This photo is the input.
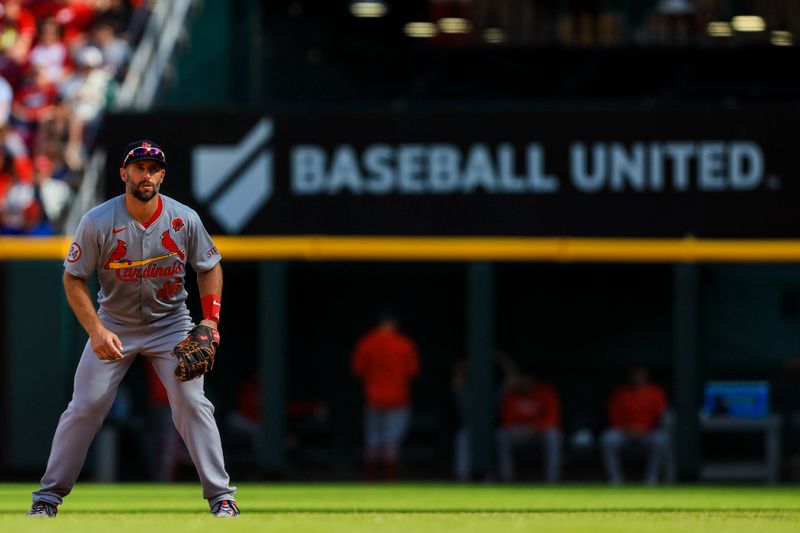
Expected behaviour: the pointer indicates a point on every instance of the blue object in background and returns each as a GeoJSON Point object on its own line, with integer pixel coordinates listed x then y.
{"type": "Point", "coordinates": [741, 399]}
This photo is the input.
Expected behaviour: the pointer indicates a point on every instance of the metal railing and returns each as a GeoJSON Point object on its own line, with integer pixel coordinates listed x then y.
{"type": "Point", "coordinates": [152, 57]}
{"type": "Point", "coordinates": [88, 195]}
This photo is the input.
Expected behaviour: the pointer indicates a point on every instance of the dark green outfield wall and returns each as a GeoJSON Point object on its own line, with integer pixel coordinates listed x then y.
{"type": "Point", "coordinates": [578, 325]}
{"type": "Point", "coordinates": [42, 344]}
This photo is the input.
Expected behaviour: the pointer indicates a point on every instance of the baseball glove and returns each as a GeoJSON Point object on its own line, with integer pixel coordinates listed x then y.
{"type": "Point", "coordinates": [195, 354]}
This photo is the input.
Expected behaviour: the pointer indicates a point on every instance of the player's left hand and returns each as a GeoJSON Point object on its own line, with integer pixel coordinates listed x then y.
{"type": "Point", "coordinates": [209, 323]}
{"type": "Point", "coordinates": [195, 354]}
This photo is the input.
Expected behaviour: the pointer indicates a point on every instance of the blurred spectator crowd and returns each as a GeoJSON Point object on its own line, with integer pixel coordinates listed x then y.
{"type": "Point", "coordinates": [60, 63]}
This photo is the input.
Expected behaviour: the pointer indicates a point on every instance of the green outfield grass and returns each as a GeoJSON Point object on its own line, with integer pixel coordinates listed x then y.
{"type": "Point", "coordinates": [407, 508]}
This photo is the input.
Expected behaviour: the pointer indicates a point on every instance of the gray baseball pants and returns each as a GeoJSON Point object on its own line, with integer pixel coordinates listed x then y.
{"type": "Point", "coordinates": [384, 430]}
{"type": "Point", "coordinates": [95, 388]}
{"type": "Point", "coordinates": [655, 442]}
{"type": "Point", "coordinates": [509, 438]}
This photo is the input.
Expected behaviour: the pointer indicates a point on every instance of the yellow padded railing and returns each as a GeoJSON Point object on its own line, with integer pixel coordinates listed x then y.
{"type": "Point", "coordinates": [383, 248]}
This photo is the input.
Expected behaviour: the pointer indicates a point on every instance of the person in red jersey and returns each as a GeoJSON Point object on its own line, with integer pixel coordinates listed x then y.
{"type": "Point", "coordinates": [530, 414]}
{"type": "Point", "coordinates": [17, 30]}
{"type": "Point", "coordinates": [635, 413]}
{"type": "Point", "coordinates": [385, 360]}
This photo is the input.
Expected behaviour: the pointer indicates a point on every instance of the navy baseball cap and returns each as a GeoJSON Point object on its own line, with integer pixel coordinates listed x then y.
{"type": "Point", "coordinates": [144, 150]}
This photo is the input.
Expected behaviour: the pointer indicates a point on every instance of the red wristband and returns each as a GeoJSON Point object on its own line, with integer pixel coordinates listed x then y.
{"type": "Point", "coordinates": [211, 307]}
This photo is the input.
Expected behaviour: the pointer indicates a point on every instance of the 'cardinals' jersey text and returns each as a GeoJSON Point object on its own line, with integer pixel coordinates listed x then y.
{"type": "Point", "coordinates": [141, 268]}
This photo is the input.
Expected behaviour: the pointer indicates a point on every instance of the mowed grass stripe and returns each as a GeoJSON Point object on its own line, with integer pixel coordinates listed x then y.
{"type": "Point", "coordinates": [407, 508]}
{"type": "Point", "coordinates": [379, 510]}
{"type": "Point", "coordinates": [460, 498]}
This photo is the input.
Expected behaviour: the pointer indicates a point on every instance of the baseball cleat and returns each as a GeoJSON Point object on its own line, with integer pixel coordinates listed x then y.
{"type": "Point", "coordinates": [42, 510]}
{"type": "Point", "coordinates": [225, 509]}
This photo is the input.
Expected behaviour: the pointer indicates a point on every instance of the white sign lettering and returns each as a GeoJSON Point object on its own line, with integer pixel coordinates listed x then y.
{"type": "Point", "coordinates": [441, 168]}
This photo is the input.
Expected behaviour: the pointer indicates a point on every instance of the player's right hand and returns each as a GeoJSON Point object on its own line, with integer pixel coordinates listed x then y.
{"type": "Point", "coordinates": [106, 345]}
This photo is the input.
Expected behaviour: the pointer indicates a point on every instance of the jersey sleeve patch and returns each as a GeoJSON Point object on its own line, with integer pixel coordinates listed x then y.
{"type": "Point", "coordinates": [74, 252]}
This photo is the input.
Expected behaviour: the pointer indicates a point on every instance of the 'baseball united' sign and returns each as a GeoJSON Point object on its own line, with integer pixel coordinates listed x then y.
{"type": "Point", "coordinates": [589, 173]}
{"type": "Point", "coordinates": [410, 169]}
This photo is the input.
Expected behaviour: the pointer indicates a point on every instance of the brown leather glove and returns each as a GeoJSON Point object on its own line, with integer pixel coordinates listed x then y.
{"type": "Point", "coordinates": [195, 354]}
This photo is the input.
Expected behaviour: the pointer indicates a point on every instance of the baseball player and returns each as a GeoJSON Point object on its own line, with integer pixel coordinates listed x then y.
{"type": "Point", "coordinates": [386, 361]}
{"type": "Point", "coordinates": [139, 244]}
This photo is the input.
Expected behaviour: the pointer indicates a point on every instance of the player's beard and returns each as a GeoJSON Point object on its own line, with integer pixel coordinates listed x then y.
{"type": "Point", "coordinates": [140, 194]}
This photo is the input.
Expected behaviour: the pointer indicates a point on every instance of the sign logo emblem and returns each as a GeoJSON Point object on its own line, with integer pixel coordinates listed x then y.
{"type": "Point", "coordinates": [235, 181]}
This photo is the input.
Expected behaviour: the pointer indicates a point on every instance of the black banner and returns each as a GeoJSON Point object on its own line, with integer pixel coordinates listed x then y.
{"type": "Point", "coordinates": [631, 173]}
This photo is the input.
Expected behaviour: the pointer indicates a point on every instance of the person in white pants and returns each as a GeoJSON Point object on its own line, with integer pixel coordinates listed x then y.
{"type": "Point", "coordinates": [530, 415]}
{"type": "Point", "coordinates": [635, 412]}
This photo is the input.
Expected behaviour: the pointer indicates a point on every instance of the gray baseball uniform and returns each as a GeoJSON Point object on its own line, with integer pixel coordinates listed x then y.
{"type": "Point", "coordinates": [141, 270]}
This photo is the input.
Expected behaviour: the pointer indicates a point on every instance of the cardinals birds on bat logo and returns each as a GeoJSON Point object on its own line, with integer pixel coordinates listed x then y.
{"type": "Point", "coordinates": [118, 253]}
{"type": "Point", "coordinates": [170, 245]}
{"type": "Point", "coordinates": [117, 259]}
